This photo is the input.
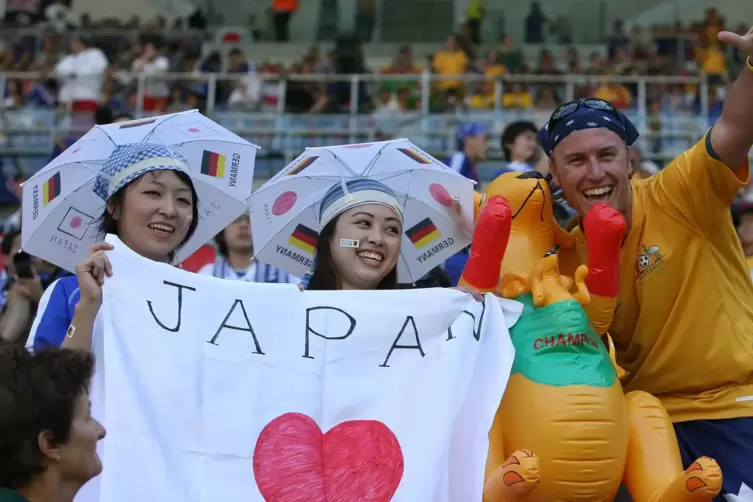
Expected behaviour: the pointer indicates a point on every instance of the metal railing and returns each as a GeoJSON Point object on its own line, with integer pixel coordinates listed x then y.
{"type": "Point", "coordinates": [266, 118]}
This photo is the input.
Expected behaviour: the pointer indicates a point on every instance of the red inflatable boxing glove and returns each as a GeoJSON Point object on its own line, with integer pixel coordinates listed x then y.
{"type": "Point", "coordinates": [488, 246]}
{"type": "Point", "coordinates": [604, 228]}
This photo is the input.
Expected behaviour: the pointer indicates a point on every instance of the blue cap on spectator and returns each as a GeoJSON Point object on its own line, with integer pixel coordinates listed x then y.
{"type": "Point", "coordinates": [469, 130]}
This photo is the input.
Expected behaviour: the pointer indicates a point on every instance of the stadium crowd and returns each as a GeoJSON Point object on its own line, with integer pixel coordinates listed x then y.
{"type": "Point", "coordinates": [100, 57]}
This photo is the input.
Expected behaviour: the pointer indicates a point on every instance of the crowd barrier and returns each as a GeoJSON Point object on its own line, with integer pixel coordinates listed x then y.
{"type": "Point", "coordinates": [28, 133]}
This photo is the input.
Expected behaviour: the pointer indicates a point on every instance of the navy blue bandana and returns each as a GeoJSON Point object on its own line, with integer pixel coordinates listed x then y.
{"type": "Point", "coordinates": [585, 114]}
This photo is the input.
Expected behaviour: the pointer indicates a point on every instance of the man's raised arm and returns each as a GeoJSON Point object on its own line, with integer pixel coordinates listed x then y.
{"type": "Point", "coordinates": [732, 136]}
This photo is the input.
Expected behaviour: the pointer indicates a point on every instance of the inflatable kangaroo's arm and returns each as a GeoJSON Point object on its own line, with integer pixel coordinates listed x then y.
{"type": "Point", "coordinates": [488, 246]}
{"type": "Point", "coordinates": [604, 228]}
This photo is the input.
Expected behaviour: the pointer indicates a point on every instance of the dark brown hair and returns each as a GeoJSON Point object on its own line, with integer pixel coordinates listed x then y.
{"type": "Point", "coordinates": [325, 277]}
{"type": "Point", "coordinates": [38, 393]}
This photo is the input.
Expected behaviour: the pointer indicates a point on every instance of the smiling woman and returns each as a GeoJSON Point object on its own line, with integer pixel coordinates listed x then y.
{"type": "Point", "coordinates": [152, 206]}
{"type": "Point", "coordinates": [360, 242]}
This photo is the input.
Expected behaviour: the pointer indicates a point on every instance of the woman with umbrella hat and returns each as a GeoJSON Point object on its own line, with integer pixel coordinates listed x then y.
{"type": "Point", "coordinates": [359, 245]}
{"type": "Point", "coordinates": [152, 206]}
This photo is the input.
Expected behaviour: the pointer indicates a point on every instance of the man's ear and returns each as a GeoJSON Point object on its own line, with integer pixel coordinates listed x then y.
{"type": "Point", "coordinates": [48, 446]}
{"type": "Point", "coordinates": [553, 171]}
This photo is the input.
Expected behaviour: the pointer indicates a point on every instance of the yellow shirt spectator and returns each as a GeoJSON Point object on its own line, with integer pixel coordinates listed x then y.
{"type": "Point", "coordinates": [685, 290]}
{"type": "Point", "coordinates": [616, 94]}
{"type": "Point", "coordinates": [450, 63]}
{"type": "Point", "coordinates": [481, 102]}
{"type": "Point", "coordinates": [495, 70]}
{"type": "Point", "coordinates": [521, 99]}
{"type": "Point", "coordinates": [713, 61]}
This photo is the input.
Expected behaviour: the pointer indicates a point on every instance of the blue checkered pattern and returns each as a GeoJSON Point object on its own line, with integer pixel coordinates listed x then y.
{"type": "Point", "coordinates": [125, 156]}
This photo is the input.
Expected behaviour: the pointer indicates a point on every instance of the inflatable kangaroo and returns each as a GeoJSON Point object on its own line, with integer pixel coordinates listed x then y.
{"type": "Point", "coordinates": [565, 431]}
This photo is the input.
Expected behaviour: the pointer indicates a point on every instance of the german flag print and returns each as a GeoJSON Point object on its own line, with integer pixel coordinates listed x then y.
{"type": "Point", "coordinates": [414, 156]}
{"type": "Point", "coordinates": [304, 239]}
{"type": "Point", "coordinates": [302, 165]}
{"type": "Point", "coordinates": [51, 189]}
{"type": "Point", "coordinates": [213, 164]}
{"type": "Point", "coordinates": [423, 233]}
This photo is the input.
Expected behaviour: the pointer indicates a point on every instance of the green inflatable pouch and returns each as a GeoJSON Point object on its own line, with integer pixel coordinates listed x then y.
{"type": "Point", "coordinates": [556, 345]}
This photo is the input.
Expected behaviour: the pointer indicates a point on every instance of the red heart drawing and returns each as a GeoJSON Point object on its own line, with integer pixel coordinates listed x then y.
{"type": "Point", "coordinates": [354, 461]}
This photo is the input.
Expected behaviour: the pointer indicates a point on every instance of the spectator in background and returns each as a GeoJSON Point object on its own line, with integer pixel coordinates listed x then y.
{"type": "Point", "coordinates": [403, 64]}
{"type": "Point", "coordinates": [519, 147]}
{"type": "Point", "coordinates": [15, 187]}
{"type": "Point", "coordinates": [535, 23]}
{"type": "Point", "coordinates": [235, 258]}
{"type": "Point", "coordinates": [614, 92]}
{"type": "Point", "coordinates": [713, 62]}
{"type": "Point", "coordinates": [517, 97]}
{"type": "Point", "coordinates": [48, 436]}
{"type": "Point", "coordinates": [618, 40]}
{"type": "Point", "coordinates": [153, 65]}
{"type": "Point", "coordinates": [472, 144]}
{"type": "Point", "coordinates": [81, 74]}
{"type": "Point", "coordinates": [509, 56]}
{"type": "Point", "coordinates": [450, 61]}
{"type": "Point", "coordinates": [474, 17]}
{"type": "Point", "coordinates": [283, 10]}
{"type": "Point", "coordinates": [10, 245]}
{"type": "Point", "coordinates": [102, 115]}
{"type": "Point", "coordinates": [365, 19]}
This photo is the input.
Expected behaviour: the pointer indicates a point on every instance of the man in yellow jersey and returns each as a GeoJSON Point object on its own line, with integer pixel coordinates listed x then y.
{"type": "Point", "coordinates": [683, 326]}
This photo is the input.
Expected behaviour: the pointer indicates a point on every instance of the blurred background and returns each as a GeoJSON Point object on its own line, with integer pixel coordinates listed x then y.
{"type": "Point", "coordinates": [287, 74]}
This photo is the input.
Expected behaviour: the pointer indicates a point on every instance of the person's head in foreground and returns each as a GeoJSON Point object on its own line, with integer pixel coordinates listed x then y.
{"type": "Point", "coordinates": [48, 437]}
{"type": "Point", "coordinates": [473, 139]}
{"type": "Point", "coordinates": [587, 143]}
{"type": "Point", "coordinates": [152, 205]}
{"type": "Point", "coordinates": [359, 245]}
{"type": "Point", "coordinates": [519, 143]}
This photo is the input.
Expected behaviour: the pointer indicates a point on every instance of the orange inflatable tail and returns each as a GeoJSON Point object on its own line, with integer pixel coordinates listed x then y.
{"type": "Point", "coordinates": [489, 244]}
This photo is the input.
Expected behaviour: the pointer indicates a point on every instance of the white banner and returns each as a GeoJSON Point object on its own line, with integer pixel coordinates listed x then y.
{"type": "Point", "coordinates": [227, 391]}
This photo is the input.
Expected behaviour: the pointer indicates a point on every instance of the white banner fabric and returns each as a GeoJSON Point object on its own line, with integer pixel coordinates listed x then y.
{"type": "Point", "coordinates": [215, 390]}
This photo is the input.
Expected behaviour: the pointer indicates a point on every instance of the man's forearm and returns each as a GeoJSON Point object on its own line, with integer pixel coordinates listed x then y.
{"type": "Point", "coordinates": [732, 135]}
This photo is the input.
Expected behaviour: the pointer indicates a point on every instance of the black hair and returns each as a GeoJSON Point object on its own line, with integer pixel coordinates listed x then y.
{"type": "Point", "coordinates": [109, 225]}
{"type": "Point", "coordinates": [38, 393]}
{"type": "Point", "coordinates": [103, 115]}
{"type": "Point", "coordinates": [324, 277]}
{"type": "Point", "coordinates": [7, 245]}
{"type": "Point", "coordinates": [511, 133]}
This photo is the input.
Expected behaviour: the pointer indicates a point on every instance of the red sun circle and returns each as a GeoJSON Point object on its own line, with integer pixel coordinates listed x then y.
{"type": "Point", "coordinates": [76, 222]}
{"type": "Point", "coordinates": [440, 194]}
{"type": "Point", "coordinates": [193, 129]}
{"type": "Point", "coordinates": [284, 203]}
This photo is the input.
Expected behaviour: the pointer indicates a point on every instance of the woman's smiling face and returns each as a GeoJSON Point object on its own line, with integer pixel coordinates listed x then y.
{"type": "Point", "coordinates": [155, 214]}
{"type": "Point", "coordinates": [378, 231]}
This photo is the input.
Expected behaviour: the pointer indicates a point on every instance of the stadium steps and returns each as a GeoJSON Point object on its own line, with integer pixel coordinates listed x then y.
{"type": "Point", "coordinates": [417, 20]}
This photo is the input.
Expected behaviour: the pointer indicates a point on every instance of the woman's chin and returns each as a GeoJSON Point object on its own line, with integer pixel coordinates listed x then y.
{"type": "Point", "coordinates": [370, 277]}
